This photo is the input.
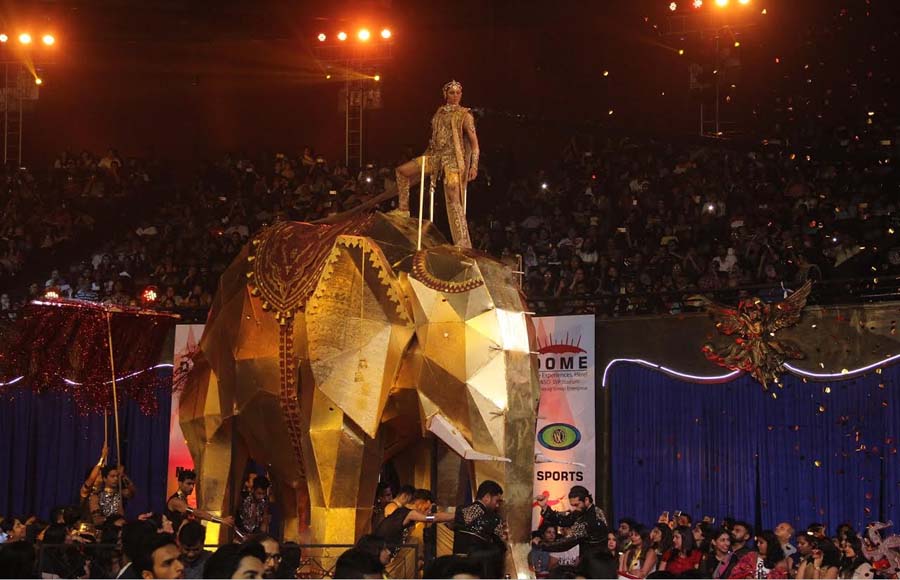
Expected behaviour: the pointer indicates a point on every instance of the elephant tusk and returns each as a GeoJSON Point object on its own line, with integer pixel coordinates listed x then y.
{"type": "Point", "coordinates": [450, 435]}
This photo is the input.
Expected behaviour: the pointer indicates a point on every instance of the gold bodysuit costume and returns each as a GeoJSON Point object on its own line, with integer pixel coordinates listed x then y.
{"type": "Point", "coordinates": [451, 156]}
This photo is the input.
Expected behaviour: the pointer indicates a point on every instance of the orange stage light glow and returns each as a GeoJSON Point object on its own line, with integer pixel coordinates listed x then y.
{"type": "Point", "coordinates": [377, 78]}
{"type": "Point", "coordinates": [25, 38]}
{"type": "Point", "coordinates": [386, 33]}
{"type": "Point", "coordinates": [48, 39]}
{"type": "Point", "coordinates": [745, 2]}
{"type": "Point", "coordinates": [363, 34]}
{"type": "Point", "coordinates": [3, 38]}
{"type": "Point", "coordinates": [721, 2]}
{"type": "Point", "coordinates": [38, 81]}
{"type": "Point", "coordinates": [342, 36]}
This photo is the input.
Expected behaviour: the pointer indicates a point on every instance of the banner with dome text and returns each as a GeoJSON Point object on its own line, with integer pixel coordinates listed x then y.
{"type": "Point", "coordinates": [564, 443]}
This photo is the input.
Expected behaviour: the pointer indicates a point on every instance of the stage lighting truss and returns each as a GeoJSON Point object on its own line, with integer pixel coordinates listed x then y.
{"type": "Point", "coordinates": [25, 39]}
{"type": "Point", "coordinates": [361, 35]}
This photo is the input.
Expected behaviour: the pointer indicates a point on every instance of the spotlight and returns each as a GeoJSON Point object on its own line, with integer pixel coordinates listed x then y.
{"type": "Point", "coordinates": [51, 294]}
{"type": "Point", "coordinates": [680, 52]}
{"type": "Point", "coordinates": [737, 43]}
{"type": "Point", "coordinates": [363, 34]}
{"type": "Point", "coordinates": [376, 78]}
{"type": "Point", "coordinates": [321, 37]}
{"type": "Point", "coordinates": [721, 2]}
{"type": "Point", "coordinates": [744, 2]}
{"type": "Point", "coordinates": [25, 38]}
{"type": "Point", "coordinates": [673, 6]}
{"type": "Point", "coordinates": [698, 3]}
{"type": "Point", "coordinates": [38, 81]}
{"type": "Point", "coordinates": [48, 39]}
{"type": "Point", "coordinates": [544, 185]}
{"type": "Point", "coordinates": [149, 295]}
{"type": "Point", "coordinates": [386, 33]}
{"type": "Point", "coordinates": [3, 38]}
{"type": "Point", "coordinates": [342, 36]}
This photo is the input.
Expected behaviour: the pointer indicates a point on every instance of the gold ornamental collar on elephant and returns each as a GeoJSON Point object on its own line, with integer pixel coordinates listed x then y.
{"type": "Point", "coordinates": [288, 258]}
{"type": "Point", "coordinates": [441, 269]}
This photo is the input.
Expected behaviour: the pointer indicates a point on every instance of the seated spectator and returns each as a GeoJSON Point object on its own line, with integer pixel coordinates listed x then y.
{"type": "Point", "coordinates": [236, 561]}
{"type": "Point", "coordinates": [854, 563]}
{"type": "Point", "coordinates": [684, 555]}
{"type": "Point", "coordinates": [356, 563]}
{"type": "Point", "coordinates": [190, 540]}
{"type": "Point", "coordinates": [640, 558]}
{"type": "Point", "coordinates": [159, 558]}
{"type": "Point", "coordinates": [768, 561]}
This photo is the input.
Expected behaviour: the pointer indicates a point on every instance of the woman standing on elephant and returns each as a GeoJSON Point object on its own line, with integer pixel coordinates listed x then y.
{"type": "Point", "coordinates": [452, 154]}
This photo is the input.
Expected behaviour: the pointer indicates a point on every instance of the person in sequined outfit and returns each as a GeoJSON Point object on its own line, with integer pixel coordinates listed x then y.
{"type": "Point", "coordinates": [108, 499]}
{"type": "Point", "coordinates": [253, 516]}
{"type": "Point", "coordinates": [452, 154]}
{"type": "Point", "coordinates": [588, 529]}
{"type": "Point", "coordinates": [479, 532]}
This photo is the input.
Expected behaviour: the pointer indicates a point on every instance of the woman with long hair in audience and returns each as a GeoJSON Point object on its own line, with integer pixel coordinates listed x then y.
{"type": "Point", "coordinates": [719, 562]}
{"type": "Point", "coordinates": [824, 560]}
{"type": "Point", "coordinates": [640, 558]}
{"type": "Point", "coordinates": [661, 540]}
{"type": "Point", "coordinates": [685, 556]}
{"type": "Point", "coordinates": [767, 561]}
{"type": "Point", "coordinates": [854, 563]}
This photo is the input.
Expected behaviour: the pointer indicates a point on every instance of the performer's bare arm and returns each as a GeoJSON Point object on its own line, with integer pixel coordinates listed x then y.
{"type": "Point", "coordinates": [469, 128]}
{"type": "Point", "coordinates": [91, 480]}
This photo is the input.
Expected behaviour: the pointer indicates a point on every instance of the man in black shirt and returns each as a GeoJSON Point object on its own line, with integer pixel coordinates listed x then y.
{"type": "Point", "coordinates": [587, 529]}
{"type": "Point", "coordinates": [479, 532]}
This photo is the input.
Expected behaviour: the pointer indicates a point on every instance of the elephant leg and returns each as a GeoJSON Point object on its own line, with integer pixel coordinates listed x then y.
{"type": "Point", "coordinates": [215, 472]}
{"type": "Point", "coordinates": [295, 507]}
{"type": "Point", "coordinates": [342, 466]}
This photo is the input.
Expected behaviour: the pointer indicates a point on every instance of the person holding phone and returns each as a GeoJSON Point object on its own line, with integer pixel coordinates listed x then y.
{"type": "Point", "coordinates": [824, 560]}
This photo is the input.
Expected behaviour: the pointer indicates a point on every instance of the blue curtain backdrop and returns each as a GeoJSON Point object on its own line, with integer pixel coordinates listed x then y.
{"type": "Point", "coordinates": [730, 449]}
{"type": "Point", "coordinates": [48, 448]}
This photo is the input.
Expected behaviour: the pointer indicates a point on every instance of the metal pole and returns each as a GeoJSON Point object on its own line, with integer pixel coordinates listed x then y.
{"type": "Point", "coordinates": [5, 110]}
{"type": "Point", "coordinates": [701, 112]}
{"type": "Point", "coordinates": [112, 369]}
{"type": "Point", "coordinates": [717, 75]}
{"type": "Point", "coordinates": [21, 125]}
{"type": "Point", "coordinates": [361, 109]}
{"type": "Point", "coordinates": [347, 124]}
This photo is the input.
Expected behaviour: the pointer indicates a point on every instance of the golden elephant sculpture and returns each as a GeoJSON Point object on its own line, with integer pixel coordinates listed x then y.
{"type": "Point", "coordinates": [330, 349]}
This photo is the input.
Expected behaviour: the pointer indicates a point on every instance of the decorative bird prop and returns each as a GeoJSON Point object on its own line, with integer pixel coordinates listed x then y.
{"type": "Point", "coordinates": [753, 346]}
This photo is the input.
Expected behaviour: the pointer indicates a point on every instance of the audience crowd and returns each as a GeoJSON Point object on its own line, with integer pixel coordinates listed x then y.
{"type": "Point", "coordinates": [94, 540]}
{"type": "Point", "coordinates": [612, 227]}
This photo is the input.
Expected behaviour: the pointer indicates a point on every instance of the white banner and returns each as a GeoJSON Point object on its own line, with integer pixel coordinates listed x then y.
{"type": "Point", "coordinates": [187, 340]}
{"type": "Point", "coordinates": [564, 445]}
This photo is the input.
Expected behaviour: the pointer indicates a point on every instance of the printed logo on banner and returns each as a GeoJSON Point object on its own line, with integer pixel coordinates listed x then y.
{"type": "Point", "coordinates": [559, 436]}
{"type": "Point", "coordinates": [565, 355]}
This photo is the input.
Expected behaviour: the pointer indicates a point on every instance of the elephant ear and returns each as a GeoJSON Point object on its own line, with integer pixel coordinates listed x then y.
{"type": "Point", "coordinates": [358, 326]}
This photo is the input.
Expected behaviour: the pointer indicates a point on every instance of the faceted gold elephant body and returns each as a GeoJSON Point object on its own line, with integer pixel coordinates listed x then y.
{"type": "Point", "coordinates": [330, 349]}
